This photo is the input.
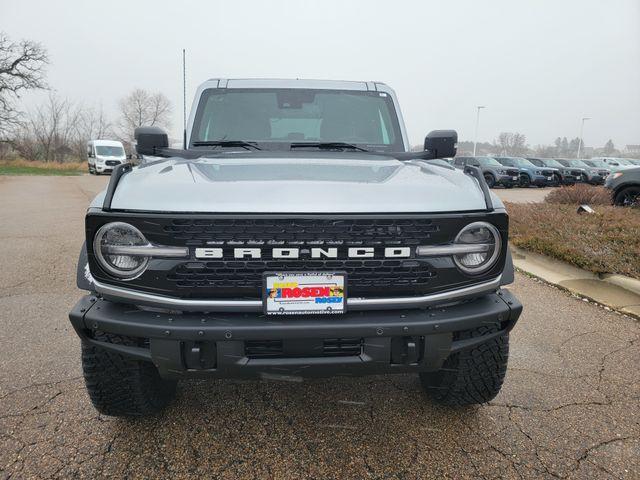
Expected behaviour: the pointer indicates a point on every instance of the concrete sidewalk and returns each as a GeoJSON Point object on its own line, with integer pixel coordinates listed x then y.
{"type": "Point", "coordinates": [616, 291]}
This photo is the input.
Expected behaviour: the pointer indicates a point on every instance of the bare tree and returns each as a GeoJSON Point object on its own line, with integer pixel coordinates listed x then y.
{"type": "Point", "coordinates": [514, 144]}
{"type": "Point", "coordinates": [609, 148]}
{"type": "Point", "coordinates": [22, 67]}
{"type": "Point", "coordinates": [50, 131]}
{"type": "Point", "coordinates": [92, 124]}
{"type": "Point", "coordinates": [142, 108]}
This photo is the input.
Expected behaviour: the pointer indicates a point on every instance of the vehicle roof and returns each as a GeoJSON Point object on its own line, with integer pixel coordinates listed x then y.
{"type": "Point", "coordinates": [295, 83]}
{"type": "Point", "coordinates": [107, 143]}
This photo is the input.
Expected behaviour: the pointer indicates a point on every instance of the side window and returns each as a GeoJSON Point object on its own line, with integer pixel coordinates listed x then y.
{"type": "Point", "coordinates": [459, 161]}
{"type": "Point", "coordinates": [473, 162]}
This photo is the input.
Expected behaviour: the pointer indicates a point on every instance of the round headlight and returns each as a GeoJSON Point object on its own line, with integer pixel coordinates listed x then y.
{"type": "Point", "coordinates": [487, 240]}
{"type": "Point", "coordinates": [107, 248]}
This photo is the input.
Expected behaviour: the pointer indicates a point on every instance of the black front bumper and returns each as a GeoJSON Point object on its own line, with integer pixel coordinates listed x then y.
{"type": "Point", "coordinates": [252, 345]}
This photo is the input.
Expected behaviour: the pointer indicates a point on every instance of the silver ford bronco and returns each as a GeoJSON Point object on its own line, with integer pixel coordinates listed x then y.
{"type": "Point", "coordinates": [293, 235]}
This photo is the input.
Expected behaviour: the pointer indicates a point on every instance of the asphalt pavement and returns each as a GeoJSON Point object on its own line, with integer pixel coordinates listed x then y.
{"type": "Point", "coordinates": [569, 407]}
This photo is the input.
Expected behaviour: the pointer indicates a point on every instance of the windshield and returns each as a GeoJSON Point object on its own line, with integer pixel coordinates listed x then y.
{"type": "Point", "coordinates": [623, 162]}
{"type": "Point", "coordinates": [488, 161]}
{"type": "Point", "coordinates": [550, 162]}
{"type": "Point", "coordinates": [276, 118]}
{"type": "Point", "coordinates": [105, 151]}
{"type": "Point", "coordinates": [577, 163]}
{"type": "Point", "coordinates": [520, 162]}
{"type": "Point", "coordinates": [596, 163]}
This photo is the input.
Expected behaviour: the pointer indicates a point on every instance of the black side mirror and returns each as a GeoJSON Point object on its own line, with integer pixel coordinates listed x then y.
{"type": "Point", "coordinates": [150, 139]}
{"type": "Point", "coordinates": [441, 143]}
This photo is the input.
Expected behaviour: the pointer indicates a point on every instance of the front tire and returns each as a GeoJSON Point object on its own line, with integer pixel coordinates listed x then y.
{"type": "Point", "coordinates": [525, 180]}
{"type": "Point", "coordinates": [490, 179]}
{"type": "Point", "coordinates": [471, 376]}
{"type": "Point", "coordinates": [557, 180]}
{"type": "Point", "coordinates": [628, 197]}
{"type": "Point", "coordinates": [120, 386]}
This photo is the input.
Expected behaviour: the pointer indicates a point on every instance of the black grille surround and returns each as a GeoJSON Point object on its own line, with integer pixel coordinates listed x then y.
{"type": "Point", "coordinates": [230, 278]}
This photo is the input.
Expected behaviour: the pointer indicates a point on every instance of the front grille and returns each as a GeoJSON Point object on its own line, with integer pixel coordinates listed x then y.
{"type": "Point", "coordinates": [547, 173]}
{"type": "Point", "coordinates": [513, 173]}
{"type": "Point", "coordinates": [329, 347]}
{"type": "Point", "coordinates": [227, 277]}
{"type": "Point", "coordinates": [112, 163]}
{"type": "Point", "coordinates": [361, 274]}
{"type": "Point", "coordinates": [370, 232]}
{"type": "Point", "coordinates": [576, 173]}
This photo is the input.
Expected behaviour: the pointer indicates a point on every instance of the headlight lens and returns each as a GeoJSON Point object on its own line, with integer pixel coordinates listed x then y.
{"type": "Point", "coordinates": [473, 234]}
{"type": "Point", "coordinates": [118, 234]}
{"type": "Point", "coordinates": [538, 172]}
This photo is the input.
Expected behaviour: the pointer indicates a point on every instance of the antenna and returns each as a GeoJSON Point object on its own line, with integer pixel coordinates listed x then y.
{"type": "Point", "coordinates": [184, 99]}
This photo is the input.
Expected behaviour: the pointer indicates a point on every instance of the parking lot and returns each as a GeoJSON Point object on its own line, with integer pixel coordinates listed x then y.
{"type": "Point", "coordinates": [570, 406]}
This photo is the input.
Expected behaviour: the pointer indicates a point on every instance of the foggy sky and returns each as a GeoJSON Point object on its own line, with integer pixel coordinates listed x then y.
{"type": "Point", "coordinates": [538, 65]}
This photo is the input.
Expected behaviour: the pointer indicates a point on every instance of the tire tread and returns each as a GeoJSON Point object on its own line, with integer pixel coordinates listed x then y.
{"type": "Point", "coordinates": [471, 376]}
{"type": "Point", "coordinates": [120, 386]}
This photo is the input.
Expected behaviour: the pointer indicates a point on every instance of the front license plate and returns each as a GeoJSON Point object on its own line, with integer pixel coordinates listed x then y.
{"type": "Point", "coordinates": [304, 293]}
{"type": "Point", "coordinates": [514, 178]}
{"type": "Point", "coordinates": [549, 178]}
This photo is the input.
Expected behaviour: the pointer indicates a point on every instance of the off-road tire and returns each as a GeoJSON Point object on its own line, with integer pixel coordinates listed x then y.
{"type": "Point", "coordinates": [525, 181]}
{"type": "Point", "coordinates": [490, 179]}
{"type": "Point", "coordinates": [628, 197]}
{"type": "Point", "coordinates": [120, 386]}
{"type": "Point", "coordinates": [471, 376]}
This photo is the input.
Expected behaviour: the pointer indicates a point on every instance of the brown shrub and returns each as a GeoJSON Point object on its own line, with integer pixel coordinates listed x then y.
{"type": "Point", "coordinates": [579, 194]}
{"type": "Point", "coordinates": [607, 241]}
{"type": "Point", "coordinates": [64, 166]}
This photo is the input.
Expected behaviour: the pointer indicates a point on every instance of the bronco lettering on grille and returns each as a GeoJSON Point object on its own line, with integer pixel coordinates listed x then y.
{"type": "Point", "coordinates": [294, 253]}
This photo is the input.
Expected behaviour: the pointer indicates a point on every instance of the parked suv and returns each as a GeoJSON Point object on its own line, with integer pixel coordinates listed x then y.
{"type": "Point", "coordinates": [585, 173]}
{"type": "Point", "coordinates": [295, 236]}
{"type": "Point", "coordinates": [617, 163]}
{"type": "Point", "coordinates": [494, 172]}
{"type": "Point", "coordinates": [530, 174]}
{"type": "Point", "coordinates": [603, 168]}
{"type": "Point", "coordinates": [561, 174]}
{"type": "Point", "coordinates": [625, 187]}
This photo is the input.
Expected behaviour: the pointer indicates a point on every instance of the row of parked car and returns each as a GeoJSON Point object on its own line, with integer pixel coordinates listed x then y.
{"type": "Point", "coordinates": [620, 175]}
{"type": "Point", "coordinates": [543, 172]}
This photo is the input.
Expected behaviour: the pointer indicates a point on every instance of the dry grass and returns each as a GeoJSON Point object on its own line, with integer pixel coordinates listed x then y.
{"type": "Point", "coordinates": [26, 167]}
{"type": "Point", "coordinates": [607, 241]}
{"type": "Point", "coordinates": [579, 194]}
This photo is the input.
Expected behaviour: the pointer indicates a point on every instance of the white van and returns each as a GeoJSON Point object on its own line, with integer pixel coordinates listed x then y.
{"type": "Point", "coordinates": [104, 155]}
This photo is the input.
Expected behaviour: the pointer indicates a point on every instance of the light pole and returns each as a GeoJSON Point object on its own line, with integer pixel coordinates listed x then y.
{"type": "Point", "coordinates": [475, 138]}
{"type": "Point", "coordinates": [580, 139]}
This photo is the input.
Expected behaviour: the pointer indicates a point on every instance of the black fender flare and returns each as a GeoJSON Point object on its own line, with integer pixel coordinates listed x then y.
{"type": "Point", "coordinates": [508, 273]}
{"type": "Point", "coordinates": [84, 279]}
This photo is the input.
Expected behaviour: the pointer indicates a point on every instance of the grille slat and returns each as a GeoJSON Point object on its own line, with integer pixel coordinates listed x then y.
{"type": "Point", "coordinates": [362, 274]}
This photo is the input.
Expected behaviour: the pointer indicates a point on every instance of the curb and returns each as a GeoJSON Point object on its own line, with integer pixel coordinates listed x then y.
{"type": "Point", "coordinates": [618, 292]}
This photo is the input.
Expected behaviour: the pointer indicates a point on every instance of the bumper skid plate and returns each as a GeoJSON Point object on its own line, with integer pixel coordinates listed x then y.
{"type": "Point", "coordinates": [254, 345]}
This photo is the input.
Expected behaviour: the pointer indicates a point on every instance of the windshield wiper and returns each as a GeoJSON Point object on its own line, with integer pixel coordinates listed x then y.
{"type": "Point", "coordinates": [228, 143]}
{"type": "Point", "coordinates": [328, 146]}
